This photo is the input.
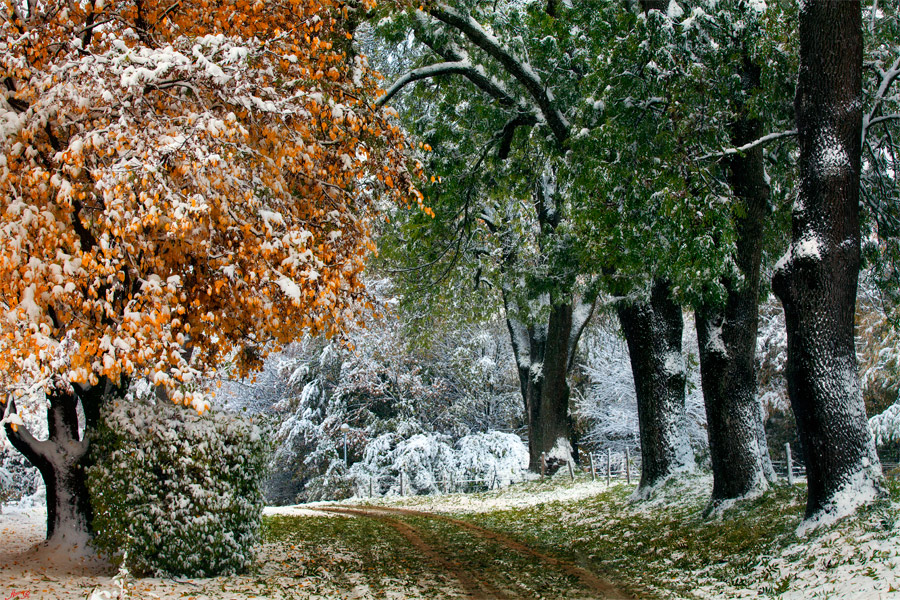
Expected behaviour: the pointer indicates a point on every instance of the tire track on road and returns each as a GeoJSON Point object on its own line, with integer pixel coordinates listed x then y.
{"type": "Point", "coordinates": [606, 589]}
{"type": "Point", "coordinates": [474, 587]}
{"type": "Point", "coordinates": [602, 588]}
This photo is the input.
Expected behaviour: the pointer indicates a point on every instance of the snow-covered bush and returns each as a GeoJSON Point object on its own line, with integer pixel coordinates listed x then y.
{"type": "Point", "coordinates": [428, 461]}
{"type": "Point", "coordinates": [490, 455]}
{"type": "Point", "coordinates": [885, 426]}
{"type": "Point", "coordinates": [18, 478]}
{"type": "Point", "coordinates": [175, 492]}
{"type": "Point", "coordinates": [424, 459]}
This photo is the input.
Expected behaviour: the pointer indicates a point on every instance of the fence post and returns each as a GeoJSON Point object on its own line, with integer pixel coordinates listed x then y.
{"type": "Point", "coordinates": [571, 469]}
{"type": "Point", "coordinates": [452, 483]}
{"type": "Point", "coordinates": [543, 464]}
{"type": "Point", "coordinates": [608, 467]}
{"type": "Point", "coordinates": [371, 487]}
{"type": "Point", "coordinates": [627, 467]}
{"type": "Point", "coordinates": [402, 485]}
{"type": "Point", "coordinates": [494, 482]}
{"type": "Point", "coordinates": [593, 471]}
{"type": "Point", "coordinates": [790, 464]}
{"type": "Point", "coordinates": [447, 477]}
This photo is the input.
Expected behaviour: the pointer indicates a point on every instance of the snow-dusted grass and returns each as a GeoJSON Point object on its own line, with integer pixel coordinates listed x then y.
{"type": "Point", "coordinates": [664, 548]}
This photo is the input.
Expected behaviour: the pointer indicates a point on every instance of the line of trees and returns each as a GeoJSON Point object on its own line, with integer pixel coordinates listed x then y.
{"type": "Point", "coordinates": [190, 185]}
{"type": "Point", "coordinates": [643, 155]}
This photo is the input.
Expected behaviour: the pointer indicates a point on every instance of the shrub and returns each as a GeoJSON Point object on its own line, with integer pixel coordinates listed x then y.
{"type": "Point", "coordinates": [427, 459]}
{"type": "Point", "coordinates": [18, 479]}
{"type": "Point", "coordinates": [174, 492]}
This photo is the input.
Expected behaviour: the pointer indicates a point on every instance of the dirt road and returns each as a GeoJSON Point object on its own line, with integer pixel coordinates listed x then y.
{"type": "Point", "coordinates": [486, 564]}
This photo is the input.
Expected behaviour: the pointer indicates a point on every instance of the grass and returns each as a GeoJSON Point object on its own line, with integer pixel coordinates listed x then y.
{"type": "Point", "coordinates": [664, 548]}
{"type": "Point", "coordinates": [340, 557]}
{"type": "Point", "coordinates": [667, 548]}
{"type": "Point", "coordinates": [655, 548]}
{"type": "Point", "coordinates": [495, 562]}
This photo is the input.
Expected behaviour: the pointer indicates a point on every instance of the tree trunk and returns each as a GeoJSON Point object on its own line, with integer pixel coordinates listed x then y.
{"type": "Point", "coordinates": [62, 460]}
{"type": "Point", "coordinates": [544, 357]}
{"type": "Point", "coordinates": [727, 334]}
{"type": "Point", "coordinates": [816, 279]}
{"type": "Point", "coordinates": [653, 332]}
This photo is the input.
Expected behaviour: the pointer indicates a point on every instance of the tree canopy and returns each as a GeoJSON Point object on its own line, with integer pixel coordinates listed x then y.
{"type": "Point", "coordinates": [181, 180]}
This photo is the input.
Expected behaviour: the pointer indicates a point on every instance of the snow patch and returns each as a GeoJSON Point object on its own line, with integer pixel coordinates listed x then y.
{"type": "Point", "coordinates": [561, 451]}
{"type": "Point", "coordinates": [831, 158]}
{"type": "Point", "coordinates": [859, 490]}
{"type": "Point", "coordinates": [674, 363]}
{"type": "Point", "coordinates": [674, 11]}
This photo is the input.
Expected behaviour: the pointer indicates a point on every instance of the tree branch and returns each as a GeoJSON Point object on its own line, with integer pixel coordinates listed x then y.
{"type": "Point", "coordinates": [461, 67]}
{"type": "Point", "coordinates": [750, 145]}
{"type": "Point", "coordinates": [521, 71]}
{"type": "Point", "coordinates": [581, 316]}
{"type": "Point", "coordinates": [887, 79]}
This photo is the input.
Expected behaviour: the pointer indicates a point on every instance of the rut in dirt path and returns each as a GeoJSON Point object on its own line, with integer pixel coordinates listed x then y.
{"type": "Point", "coordinates": [474, 587]}
{"type": "Point", "coordinates": [600, 588]}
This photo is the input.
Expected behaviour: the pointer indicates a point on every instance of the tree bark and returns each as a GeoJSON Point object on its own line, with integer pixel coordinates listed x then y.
{"type": "Point", "coordinates": [816, 280]}
{"type": "Point", "coordinates": [653, 332]}
{"type": "Point", "coordinates": [62, 460]}
{"type": "Point", "coordinates": [727, 334]}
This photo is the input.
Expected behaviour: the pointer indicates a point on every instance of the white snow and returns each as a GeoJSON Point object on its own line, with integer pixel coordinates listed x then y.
{"type": "Point", "coordinates": [674, 11]}
{"type": "Point", "coordinates": [858, 491]}
{"type": "Point", "coordinates": [561, 451]}
{"type": "Point", "coordinates": [674, 363]}
{"type": "Point", "coordinates": [808, 247]}
{"type": "Point", "coordinates": [831, 157]}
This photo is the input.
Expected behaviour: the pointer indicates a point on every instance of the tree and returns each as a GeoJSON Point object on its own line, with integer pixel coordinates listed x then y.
{"type": "Point", "coordinates": [507, 208]}
{"type": "Point", "coordinates": [816, 280]}
{"type": "Point", "coordinates": [182, 184]}
{"type": "Point", "coordinates": [653, 331]}
{"type": "Point", "coordinates": [728, 330]}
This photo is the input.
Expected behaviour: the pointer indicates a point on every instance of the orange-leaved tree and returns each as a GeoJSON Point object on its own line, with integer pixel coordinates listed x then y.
{"type": "Point", "coordinates": [183, 182]}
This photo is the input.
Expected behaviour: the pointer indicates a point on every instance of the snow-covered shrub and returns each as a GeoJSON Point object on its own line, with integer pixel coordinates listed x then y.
{"type": "Point", "coordinates": [424, 459]}
{"type": "Point", "coordinates": [177, 492]}
{"type": "Point", "coordinates": [885, 426]}
{"type": "Point", "coordinates": [18, 478]}
{"type": "Point", "coordinates": [490, 455]}
{"type": "Point", "coordinates": [428, 461]}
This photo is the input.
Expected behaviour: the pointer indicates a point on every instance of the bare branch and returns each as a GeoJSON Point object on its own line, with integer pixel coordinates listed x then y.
{"type": "Point", "coordinates": [887, 79]}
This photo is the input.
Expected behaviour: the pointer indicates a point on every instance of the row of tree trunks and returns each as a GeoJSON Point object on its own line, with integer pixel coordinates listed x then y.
{"type": "Point", "coordinates": [727, 347]}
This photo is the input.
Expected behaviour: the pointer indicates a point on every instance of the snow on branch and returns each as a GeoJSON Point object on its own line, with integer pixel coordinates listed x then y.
{"type": "Point", "coordinates": [451, 52]}
{"type": "Point", "coordinates": [521, 71]}
{"type": "Point", "coordinates": [581, 316]}
{"type": "Point", "coordinates": [887, 79]}
{"type": "Point", "coordinates": [771, 137]}
{"type": "Point", "coordinates": [461, 67]}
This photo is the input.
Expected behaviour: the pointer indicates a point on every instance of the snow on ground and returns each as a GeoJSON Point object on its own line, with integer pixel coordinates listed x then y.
{"type": "Point", "coordinates": [856, 562]}
{"type": "Point", "coordinates": [29, 570]}
{"type": "Point", "coordinates": [512, 497]}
